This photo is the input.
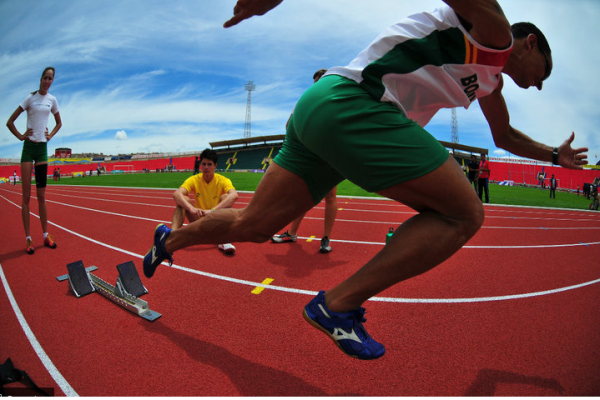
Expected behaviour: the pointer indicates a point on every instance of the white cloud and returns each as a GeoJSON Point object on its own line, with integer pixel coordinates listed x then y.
{"type": "Point", "coordinates": [121, 135]}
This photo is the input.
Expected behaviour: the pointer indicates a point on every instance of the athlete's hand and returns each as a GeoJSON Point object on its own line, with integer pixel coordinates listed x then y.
{"type": "Point", "coordinates": [48, 137]}
{"type": "Point", "coordinates": [206, 212]}
{"type": "Point", "coordinates": [28, 133]}
{"type": "Point", "coordinates": [245, 9]}
{"type": "Point", "coordinates": [569, 157]}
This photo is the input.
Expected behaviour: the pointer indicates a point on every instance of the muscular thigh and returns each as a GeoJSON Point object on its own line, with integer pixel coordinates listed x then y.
{"type": "Point", "coordinates": [280, 197]}
{"type": "Point", "coordinates": [446, 190]}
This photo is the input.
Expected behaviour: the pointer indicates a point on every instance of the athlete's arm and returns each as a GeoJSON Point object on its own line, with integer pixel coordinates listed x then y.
{"type": "Point", "coordinates": [181, 197]}
{"type": "Point", "coordinates": [245, 9]}
{"type": "Point", "coordinates": [230, 198]}
{"type": "Point", "coordinates": [56, 127]}
{"type": "Point", "coordinates": [10, 124]}
{"type": "Point", "coordinates": [508, 138]}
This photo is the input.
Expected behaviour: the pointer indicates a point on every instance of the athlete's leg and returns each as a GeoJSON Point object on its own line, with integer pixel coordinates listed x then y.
{"type": "Point", "coordinates": [448, 217]}
{"type": "Point", "coordinates": [487, 189]}
{"type": "Point", "coordinates": [179, 216]}
{"type": "Point", "coordinates": [41, 171]}
{"type": "Point", "coordinates": [280, 197]}
{"type": "Point", "coordinates": [296, 225]}
{"type": "Point", "coordinates": [330, 211]}
{"type": "Point", "coordinates": [26, 168]}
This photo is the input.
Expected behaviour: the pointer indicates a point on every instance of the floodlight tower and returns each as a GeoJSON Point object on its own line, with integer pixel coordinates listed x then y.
{"type": "Point", "coordinates": [250, 88]}
{"type": "Point", "coordinates": [454, 126]}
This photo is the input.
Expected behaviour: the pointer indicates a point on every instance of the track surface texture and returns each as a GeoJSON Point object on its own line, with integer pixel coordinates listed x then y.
{"type": "Point", "coordinates": [513, 313]}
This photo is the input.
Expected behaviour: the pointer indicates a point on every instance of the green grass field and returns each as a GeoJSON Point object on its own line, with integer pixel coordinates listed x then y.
{"type": "Point", "coordinates": [247, 181]}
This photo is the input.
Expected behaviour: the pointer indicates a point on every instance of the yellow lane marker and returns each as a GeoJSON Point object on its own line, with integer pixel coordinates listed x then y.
{"type": "Point", "coordinates": [259, 289]}
{"type": "Point", "coordinates": [340, 209]}
{"type": "Point", "coordinates": [310, 239]}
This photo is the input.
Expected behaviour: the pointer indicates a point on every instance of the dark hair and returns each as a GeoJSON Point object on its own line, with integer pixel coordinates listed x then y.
{"type": "Point", "coordinates": [46, 69]}
{"type": "Point", "coordinates": [523, 29]}
{"type": "Point", "coordinates": [319, 73]}
{"type": "Point", "coordinates": [209, 154]}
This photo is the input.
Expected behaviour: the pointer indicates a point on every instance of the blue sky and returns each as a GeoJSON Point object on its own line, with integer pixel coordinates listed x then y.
{"type": "Point", "coordinates": [149, 76]}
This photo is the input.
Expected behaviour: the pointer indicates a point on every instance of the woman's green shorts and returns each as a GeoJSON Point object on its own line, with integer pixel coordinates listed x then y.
{"type": "Point", "coordinates": [339, 131]}
{"type": "Point", "coordinates": [33, 151]}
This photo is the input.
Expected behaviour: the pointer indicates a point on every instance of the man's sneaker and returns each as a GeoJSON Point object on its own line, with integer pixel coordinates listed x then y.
{"type": "Point", "coordinates": [227, 248]}
{"type": "Point", "coordinates": [284, 237]}
{"type": "Point", "coordinates": [325, 247]}
{"type": "Point", "coordinates": [157, 253]}
{"type": "Point", "coordinates": [49, 242]}
{"type": "Point", "coordinates": [345, 329]}
{"type": "Point", "coordinates": [29, 249]}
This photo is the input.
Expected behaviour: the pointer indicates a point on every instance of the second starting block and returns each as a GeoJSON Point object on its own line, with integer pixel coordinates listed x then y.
{"type": "Point", "coordinates": [125, 292]}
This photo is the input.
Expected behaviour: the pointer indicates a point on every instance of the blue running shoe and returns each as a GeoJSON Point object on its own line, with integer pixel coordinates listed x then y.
{"type": "Point", "coordinates": [157, 253]}
{"type": "Point", "coordinates": [346, 329]}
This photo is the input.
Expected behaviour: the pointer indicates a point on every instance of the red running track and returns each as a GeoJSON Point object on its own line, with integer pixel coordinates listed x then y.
{"type": "Point", "coordinates": [515, 312]}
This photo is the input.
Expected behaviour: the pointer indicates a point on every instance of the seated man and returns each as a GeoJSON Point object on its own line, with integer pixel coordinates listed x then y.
{"type": "Point", "coordinates": [211, 191]}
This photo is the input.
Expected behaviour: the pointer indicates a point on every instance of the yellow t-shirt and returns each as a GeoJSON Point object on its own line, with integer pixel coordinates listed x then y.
{"type": "Point", "coordinates": [207, 195]}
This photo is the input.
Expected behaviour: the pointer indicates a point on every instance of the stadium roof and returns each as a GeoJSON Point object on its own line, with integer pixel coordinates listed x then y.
{"type": "Point", "coordinates": [470, 149]}
{"type": "Point", "coordinates": [248, 141]}
{"type": "Point", "coordinates": [280, 138]}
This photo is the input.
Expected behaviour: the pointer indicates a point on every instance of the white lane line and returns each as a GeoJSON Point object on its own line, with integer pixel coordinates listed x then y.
{"type": "Point", "coordinates": [37, 347]}
{"type": "Point", "coordinates": [318, 218]}
{"type": "Point", "coordinates": [486, 299]}
{"type": "Point", "coordinates": [309, 292]}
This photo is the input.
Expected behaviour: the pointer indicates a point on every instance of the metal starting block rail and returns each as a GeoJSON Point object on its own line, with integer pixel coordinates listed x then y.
{"type": "Point", "coordinates": [125, 292]}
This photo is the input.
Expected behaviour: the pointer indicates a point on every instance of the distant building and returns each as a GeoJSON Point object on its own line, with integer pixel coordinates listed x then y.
{"type": "Point", "coordinates": [62, 152]}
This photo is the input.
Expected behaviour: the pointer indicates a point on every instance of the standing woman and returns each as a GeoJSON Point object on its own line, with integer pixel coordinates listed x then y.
{"type": "Point", "coordinates": [38, 105]}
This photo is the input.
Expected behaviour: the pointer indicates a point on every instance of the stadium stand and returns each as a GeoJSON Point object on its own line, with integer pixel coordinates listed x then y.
{"type": "Point", "coordinates": [253, 154]}
{"type": "Point", "coordinates": [248, 154]}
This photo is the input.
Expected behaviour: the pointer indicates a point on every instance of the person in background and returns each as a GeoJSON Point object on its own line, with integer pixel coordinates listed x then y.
{"type": "Point", "coordinates": [211, 192]}
{"type": "Point", "coordinates": [291, 235]}
{"type": "Point", "coordinates": [553, 187]}
{"type": "Point", "coordinates": [484, 179]}
{"type": "Point", "coordinates": [474, 172]}
{"type": "Point", "coordinates": [197, 165]}
{"type": "Point", "coordinates": [34, 158]}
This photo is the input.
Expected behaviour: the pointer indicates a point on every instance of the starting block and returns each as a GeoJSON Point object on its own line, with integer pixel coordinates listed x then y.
{"type": "Point", "coordinates": [125, 292]}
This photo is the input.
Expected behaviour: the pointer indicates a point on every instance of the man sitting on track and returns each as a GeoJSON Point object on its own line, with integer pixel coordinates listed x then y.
{"type": "Point", "coordinates": [364, 122]}
{"type": "Point", "coordinates": [211, 191]}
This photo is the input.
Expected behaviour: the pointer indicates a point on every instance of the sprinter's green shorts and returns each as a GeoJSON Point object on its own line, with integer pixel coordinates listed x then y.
{"type": "Point", "coordinates": [34, 151]}
{"type": "Point", "coordinates": [339, 131]}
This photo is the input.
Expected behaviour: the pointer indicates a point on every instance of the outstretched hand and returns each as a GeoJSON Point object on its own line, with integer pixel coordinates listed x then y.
{"type": "Point", "coordinates": [245, 9]}
{"type": "Point", "coordinates": [569, 157]}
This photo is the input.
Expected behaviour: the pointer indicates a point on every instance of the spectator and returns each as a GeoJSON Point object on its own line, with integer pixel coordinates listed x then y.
{"type": "Point", "coordinates": [553, 187]}
{"type": "Point", "coordinates": [484, 179]}
{"type": "Point", "coordinates": [474, 172]}
{"type": "Point", "coordinates": [197, 166]}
